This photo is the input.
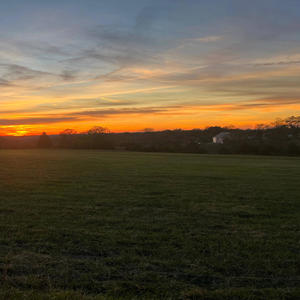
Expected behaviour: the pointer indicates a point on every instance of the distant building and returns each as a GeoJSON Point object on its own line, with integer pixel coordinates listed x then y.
{"type": "Point", "coordinates": [219, 138]}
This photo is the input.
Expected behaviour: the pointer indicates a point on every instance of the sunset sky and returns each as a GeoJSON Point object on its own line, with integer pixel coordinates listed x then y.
{"type": "Point", "coordinates": [128, 65]}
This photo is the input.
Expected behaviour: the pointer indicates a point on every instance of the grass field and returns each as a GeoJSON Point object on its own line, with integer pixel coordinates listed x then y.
{"type": "Point", "coordinates": [117, 225]}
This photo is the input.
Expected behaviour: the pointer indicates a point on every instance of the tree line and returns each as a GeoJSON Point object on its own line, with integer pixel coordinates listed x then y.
{"type": "Point", "coordinates": [281, 137]}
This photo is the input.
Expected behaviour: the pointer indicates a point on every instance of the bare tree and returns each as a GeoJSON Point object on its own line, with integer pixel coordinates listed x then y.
{"type": "Point", "coordinates": [148, 129]}
{"type": "Point", "coordinates": [68, 132]}
{"type": "Point", "coordinates": [293, 122]}
{"type": "Point", "coordinates": [67, 138]}
{"type": "Point", "coordinates": [98, 130]}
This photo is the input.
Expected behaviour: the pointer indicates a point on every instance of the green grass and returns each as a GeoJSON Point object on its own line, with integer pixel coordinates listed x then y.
{"type": "Point", "coordinates": [117, 225]}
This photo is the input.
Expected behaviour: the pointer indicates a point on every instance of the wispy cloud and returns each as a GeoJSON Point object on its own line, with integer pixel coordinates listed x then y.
{"type": "Point", "coordinates": [5, 83]}
{"type": "Point", "coordinates": [31, 121]}
{"type": "Point", "coordinates": [125, 111]}
{"type": "Point", "coordinates": [287, 59]}
{"type": "Point", "coordinates": [68, 105]}
{"type": "Point", "coordinates": [16, 72]}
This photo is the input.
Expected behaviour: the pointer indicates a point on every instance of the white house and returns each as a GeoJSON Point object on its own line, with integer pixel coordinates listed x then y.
{"type": "Point", "coordinates": [219, 138]}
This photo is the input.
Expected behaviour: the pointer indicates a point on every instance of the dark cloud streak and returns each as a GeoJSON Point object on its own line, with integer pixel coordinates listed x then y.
{"type": "Point", "coordinates": [34, 121]}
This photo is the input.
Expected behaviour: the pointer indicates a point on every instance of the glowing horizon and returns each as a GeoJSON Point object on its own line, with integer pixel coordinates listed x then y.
{"type": "Point", "coordinates": [129, 65]}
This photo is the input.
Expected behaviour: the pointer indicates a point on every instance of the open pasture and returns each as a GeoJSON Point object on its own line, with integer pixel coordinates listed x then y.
{"type": "Point", "coordinates": [116, 225]}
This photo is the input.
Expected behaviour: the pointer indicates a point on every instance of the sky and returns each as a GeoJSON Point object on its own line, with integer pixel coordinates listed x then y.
{"type": "Point", "coordinates": [135, 64]}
